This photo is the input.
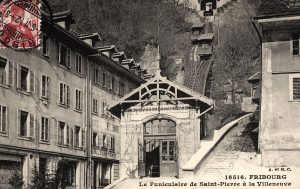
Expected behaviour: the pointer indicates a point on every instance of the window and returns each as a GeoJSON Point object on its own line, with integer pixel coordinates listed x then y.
{"type": "Point", "coordinates": [116, 84]}
{"type": "Point", "coordinates": [122, 89]}
{"type": "Point", "coordinates": [103, 110]}
{"type": "Point", "coordinates": [3, 119]}
{"type": "Point", "coordinates": [64, 133]}
{"type": "Point", "coordinates": [294, 3]}
{"type": "Point", "coordinates": [64, 94]}
{"type": "Point", "coordinates": [109, 83]}
{"type": "Point", "coordinates": [104, 141]}
{"type": "Point", "coordinates": [64, 56]}
{"type": "Point", "coordinates": [95, 139]}
{"type": "Point", "coordinates": [295, 44]}
{"type": "Point", "coordinates": [6, 71]}
{"type": "Point", "coordinates": [26, 124]}
{"type": "Point", "coordinates": [78, 99]}
{"type": "Point", "coordinates": [25, 79]}
{"type": "Point", "coordinates": [95, 106]}
{"type": "Point", "coordinates": [45, 87]}
{"type": "Point", "coordinates": [103, 78]}
{"type": "Point", "coordinates": [95, 75]}
{"type": "Point", "coordinates": [45, 129]}
{"type": "Point", "coordinates": [168, 150]}
{"type": "Point", "coordinates": [78, 64]}
{"type": "Point", "coordinates": [112, 146]}
{"type": "Point", "coordinates": [113, 83]}
{"type": "Point", "coordinates": [77, 136]}
{"type": "Point", "coordinates": [3, 71]}
{"type": "Point", "coordinates": [82, 137]}
{"type": "Point", "coordinates": [45, 45]}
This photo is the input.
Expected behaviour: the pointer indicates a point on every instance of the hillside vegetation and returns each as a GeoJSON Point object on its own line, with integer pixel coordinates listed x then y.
{"type": "Point", "coordinates": [129, 24]}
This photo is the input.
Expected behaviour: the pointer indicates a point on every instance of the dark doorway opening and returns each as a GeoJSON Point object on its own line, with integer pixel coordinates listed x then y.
{"type": "Point", "coordinates": [152, 158]}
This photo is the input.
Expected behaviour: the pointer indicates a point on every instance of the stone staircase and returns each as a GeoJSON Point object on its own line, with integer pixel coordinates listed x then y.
{"type": "Point", "coordinates": [220, 163]}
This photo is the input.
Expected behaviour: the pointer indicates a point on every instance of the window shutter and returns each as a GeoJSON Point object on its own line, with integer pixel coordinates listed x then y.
{"type": "Point", "coordinates": [59, 134]}
{"type": "Point", "coordinates": [18, 76]}
{"type": "Point", "coordinates": [71, 136]}
{"type": "Point", "coordinates": [68, 58]}
{"type": "Point", "coordinates": [125, 89]}
{"type": "Point", "coordinates": [68, 95]}
{"type": "Point", "coordinates": [67, 134]}
{"type": "Point", "coordinates": [108, 80]}
{"type": "Point", "coordinates": [99, 76]}
{"type": "Point", "coordinates": [10, 73]}
{"type": "Point", "coordinates": [47, 129]}
{"type": "Point", "coordinates": [18, 122]}
{"type": "Point", "coordinates": [31, 125]}
{"type": "Point", "coordinates": [59, 53]}
{"type": "Point", "coordinates": [103, 78]}
{"type": "Point", "coordinates": [108, 138]}
{"type": "Point", "coordinates": [82, 137]}
{"type": "Point", "coordinates": [100, 140]}
{"type": "Point", "coordinates": [116, 84]}
{"type": "Point", "coordinates": [48, 87]}
{"type": "Point", "coordinates": [32, 81]}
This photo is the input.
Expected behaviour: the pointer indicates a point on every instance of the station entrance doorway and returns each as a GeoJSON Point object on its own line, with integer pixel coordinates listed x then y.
{"type": "Point", "coordinates": [159, 149]}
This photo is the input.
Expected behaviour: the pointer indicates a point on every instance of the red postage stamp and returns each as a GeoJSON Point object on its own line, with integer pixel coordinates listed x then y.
{"type": "Point", "coordinates": [20, 24]}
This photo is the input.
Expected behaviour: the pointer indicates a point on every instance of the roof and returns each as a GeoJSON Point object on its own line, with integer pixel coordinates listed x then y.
{"type": "Point", "coordinates": [136, 66]}
{"type": "Point", "coordinates": [106, 48]}
{"type": "Point", "coordinates": [254, 77]}
{"type": "Point", "coordinates": [206, 36]}
{"type": "Point", "coordinates": [128, 61]}
{"type": "Point", "coordinates": [159, 85]}
{"type": "Point", "coordinates": [94, 36]}
{"type": "Point", "coordinates": [204, 51]}
{"type": "Point", "coordinates": [278, 8]}
{"type": "Point", "coordinates": [63, 34]}
{"type": "Point", "coordinates": [63, 15]}
{"type": "Point", "coordinates": [198, 25]}
{"type": "Point", "coordinates": [117, 54]}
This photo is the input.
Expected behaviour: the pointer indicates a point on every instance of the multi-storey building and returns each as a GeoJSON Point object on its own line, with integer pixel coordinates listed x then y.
{"type": "Point", "coordinates": [53, 107]}
{"type": "Point", "coordinates": [280, 82]}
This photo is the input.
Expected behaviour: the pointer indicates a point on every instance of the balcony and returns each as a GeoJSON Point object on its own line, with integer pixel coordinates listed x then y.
{"type": "Point", "coordinates": [104, 152]}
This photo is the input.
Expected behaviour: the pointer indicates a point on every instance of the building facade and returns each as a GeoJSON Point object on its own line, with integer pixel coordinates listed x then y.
{"type": "Point", "coordinates": [161, 127]}
{"type": "Point", "coordinates": [53, 102]}
{"type": "Point", "coordinates": [279, 138]}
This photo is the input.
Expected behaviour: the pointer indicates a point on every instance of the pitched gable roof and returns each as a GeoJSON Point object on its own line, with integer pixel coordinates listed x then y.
{"type": "Point", "coordinates": [159, 85]}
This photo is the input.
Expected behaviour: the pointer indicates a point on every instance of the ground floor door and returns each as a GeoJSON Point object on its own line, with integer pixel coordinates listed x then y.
{"type": "Point", "coordinates": [160, 158]}
{"type": "Point", "coordinates": [168, 163]}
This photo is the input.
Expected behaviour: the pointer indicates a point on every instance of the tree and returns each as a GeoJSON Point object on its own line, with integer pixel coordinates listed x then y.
{"type": "Point", "coordinates": [16, 180]}
{"type": "Point", "coordinates": [236, 57]}
{"type": "Point", "coordinates": [129, 25]}
{"type": "Point", "coordinates": [40, 180]}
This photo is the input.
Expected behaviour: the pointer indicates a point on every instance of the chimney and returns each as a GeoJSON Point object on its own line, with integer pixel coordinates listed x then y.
{"type": "Point", "coordinates": [64, 19]}
{"type": "Point", "coordinates": [90, 38]}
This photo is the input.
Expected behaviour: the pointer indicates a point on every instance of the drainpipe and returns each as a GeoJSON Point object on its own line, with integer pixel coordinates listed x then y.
{"type": "Point", "coordinates": [260, 41]}
{"type": "Point", "coordinates": [88, 124]}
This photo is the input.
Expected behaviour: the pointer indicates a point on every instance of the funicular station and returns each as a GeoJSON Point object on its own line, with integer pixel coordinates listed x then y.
{"type": "Point", "coordinates": [162, 124]}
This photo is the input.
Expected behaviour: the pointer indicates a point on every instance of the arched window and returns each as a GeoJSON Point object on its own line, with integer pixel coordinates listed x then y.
{"type": "Point", "coordinates": [160, 126]}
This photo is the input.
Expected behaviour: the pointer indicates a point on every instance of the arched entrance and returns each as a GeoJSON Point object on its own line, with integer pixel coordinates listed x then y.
{"type": "Point", "coordinates": [160, 158]}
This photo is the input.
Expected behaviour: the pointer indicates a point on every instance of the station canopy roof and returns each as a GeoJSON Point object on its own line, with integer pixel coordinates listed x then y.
{"type": "Point", "coordinates": [160, 90]}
